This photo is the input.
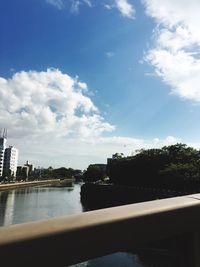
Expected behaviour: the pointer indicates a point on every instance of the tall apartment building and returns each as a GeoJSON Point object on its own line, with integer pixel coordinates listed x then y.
{"type": "Point", "coordinates": [2, 151]}
{"type": "Point", "coordinates": [10, 161]}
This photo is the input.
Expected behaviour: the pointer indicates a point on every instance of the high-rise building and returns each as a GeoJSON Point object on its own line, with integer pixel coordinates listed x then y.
{"type": "Point", "coordinates": [10, 161]}
{"type": "Point", "coordinates": [2, 150]}
{"type": "Point", "coordinates": [8, 157]}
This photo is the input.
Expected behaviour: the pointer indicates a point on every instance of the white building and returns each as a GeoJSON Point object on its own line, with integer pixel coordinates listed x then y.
{"type": "Point", "coordinates": [10, 161]}
{"type": "Point", "coordinates": [2, 151]}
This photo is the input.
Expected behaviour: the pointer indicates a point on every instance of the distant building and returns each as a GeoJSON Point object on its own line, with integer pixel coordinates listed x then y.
{"type": "Point", "coordinates": [30, 167]}
{"type": "Point", "coordinates": [8, 157]}
{"type": "Point", "coordinates": [2, 150]}
{"type": "Point", "coordinates": [10, 162]}
{"type": "Point", "coordinates": [22, 172]}
{"type": "Point", "coordinates": [26, 170]}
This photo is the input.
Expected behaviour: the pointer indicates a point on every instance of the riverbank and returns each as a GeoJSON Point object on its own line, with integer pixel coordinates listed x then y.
{"type": "Point", "coordinates": [94, 196]}
{"type": "Point", "coordinates": [10, 186]}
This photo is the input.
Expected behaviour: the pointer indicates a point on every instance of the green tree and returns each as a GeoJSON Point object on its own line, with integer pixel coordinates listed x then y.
{"type": "Point", "coordinates": [93, 173]}
{"type": "Point", "coordinates": [117, 156]}
{"type": "Point", "coordinates": [170, 166]}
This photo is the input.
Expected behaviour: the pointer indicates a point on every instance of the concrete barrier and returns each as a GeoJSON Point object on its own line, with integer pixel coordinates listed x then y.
{"type": "Point", "coordinates": [72, 239]}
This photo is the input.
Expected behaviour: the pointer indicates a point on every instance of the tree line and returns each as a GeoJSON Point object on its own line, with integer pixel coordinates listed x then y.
{"type": "Point", "coordinates": [174, 167]}
{"type": "Point", "coordinates": [51, 173]}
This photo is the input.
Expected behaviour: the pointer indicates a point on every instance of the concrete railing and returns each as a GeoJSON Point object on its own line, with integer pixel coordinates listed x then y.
{"type": "Point", "coordinates": [72, 239]}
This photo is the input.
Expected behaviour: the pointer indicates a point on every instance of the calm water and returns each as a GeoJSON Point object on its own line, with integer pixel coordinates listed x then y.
{"type": "Point", "coordinates": [39, 203]}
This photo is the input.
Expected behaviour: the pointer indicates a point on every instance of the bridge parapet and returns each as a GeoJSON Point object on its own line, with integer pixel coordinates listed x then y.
{"type": "Point", "coordinates": [75, 238]}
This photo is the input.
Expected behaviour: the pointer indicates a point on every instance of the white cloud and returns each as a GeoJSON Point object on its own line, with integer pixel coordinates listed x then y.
{"type": "Point", "coordinates": [127, 145]}
{"type": "Point", "coordinates": [82, 85]}
{"type": "Point", "coordinates": [77, 153]}
{"type": "Point", "coordinates": [107, 6]}
{"type": "Point", "coordinates": [176, 53]}
{"type": "Point", "coordinates": [125, 8]}
{"type": "Point", "coordinates": [88, 2]}
{"type": "Point", "coordinates": [57, 3]}
{"type": "Point", "coordinates": [35, 103]}
{"type": "Point", "coordinates": [75, 5]}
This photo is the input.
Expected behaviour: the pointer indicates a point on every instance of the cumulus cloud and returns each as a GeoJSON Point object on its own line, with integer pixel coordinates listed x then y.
{"type": "Point", "coordinates": [176, 53]}
{"type": "Point", "coordinates": [35, 103]}
{"type": "Point", "coordinates": [125, 8]}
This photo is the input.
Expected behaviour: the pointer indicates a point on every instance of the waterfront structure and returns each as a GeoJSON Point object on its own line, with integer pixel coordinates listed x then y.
{"type": "Point", "coordinates": [25, 171]}
{"type": "Point", "coordinates": [10, 162]}
{"type": "Point", "coordinates": [3, 135]}
{"type": "Point", "coordinates": [22, 172]}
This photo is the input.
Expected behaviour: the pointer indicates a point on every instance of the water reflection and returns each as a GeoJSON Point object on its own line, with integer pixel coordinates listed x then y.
{"type": "Point", "coordinates": [7, 202]}
{"type": "Point", "coordinates": [3, 206]}
{"type": "Point", "coordinates": [8, 216]}
{"type": "Point", "coordinates": [38, 203]}
{"type": "Point", "coordinates": [119, 259]}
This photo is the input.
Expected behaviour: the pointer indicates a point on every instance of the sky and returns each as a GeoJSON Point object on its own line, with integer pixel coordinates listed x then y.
{"type": "Point", "coordinates": [83, 79]}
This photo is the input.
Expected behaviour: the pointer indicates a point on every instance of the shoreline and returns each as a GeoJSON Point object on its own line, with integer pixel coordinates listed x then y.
{"type": "Point", "coordinates": [95, 196]}
{"type": "Point", "coordinates": [10, 186]}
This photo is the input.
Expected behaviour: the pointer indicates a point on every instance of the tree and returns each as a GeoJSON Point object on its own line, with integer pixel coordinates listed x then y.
{"type": "Point", "coordinates": [170, 166]}
{"type": "Point", "coordinates": [117, 156]}
{"type": "Point", "coordinates": [93, 173]}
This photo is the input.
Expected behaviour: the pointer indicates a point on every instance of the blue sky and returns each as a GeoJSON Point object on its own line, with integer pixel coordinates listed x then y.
{"type": "Point", "coordinates": [82, 79]}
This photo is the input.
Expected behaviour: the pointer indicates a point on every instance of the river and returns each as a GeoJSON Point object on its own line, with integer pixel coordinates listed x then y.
{"type": "Point", "coordinates": [39, 203]}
